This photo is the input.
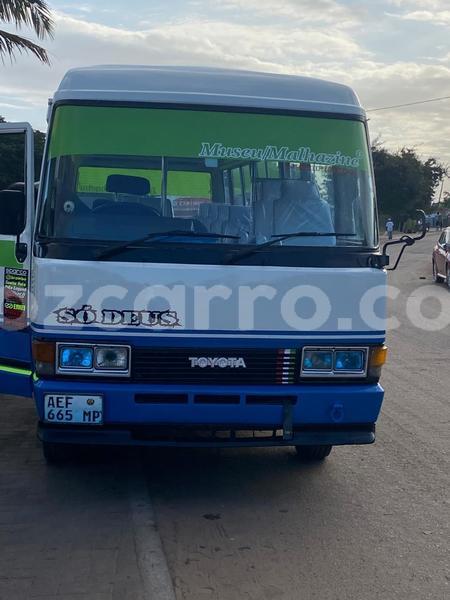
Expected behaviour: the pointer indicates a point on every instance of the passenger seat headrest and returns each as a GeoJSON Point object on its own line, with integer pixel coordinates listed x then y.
{"type": "Point", "coordinates": [127, 184]}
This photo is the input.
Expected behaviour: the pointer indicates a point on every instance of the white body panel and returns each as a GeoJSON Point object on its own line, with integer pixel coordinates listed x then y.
{"type": "Point", "coordinates": [207, 86]}
{"type": "Point", "coordinates": [293, 302]}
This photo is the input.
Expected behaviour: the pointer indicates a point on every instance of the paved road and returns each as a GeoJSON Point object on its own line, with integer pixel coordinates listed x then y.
{"type": "Point", "coordinates": [370, 523]}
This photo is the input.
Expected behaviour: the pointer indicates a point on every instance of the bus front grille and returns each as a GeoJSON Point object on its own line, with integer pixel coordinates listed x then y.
{"type": "Point", "coordinates": [247, 366]}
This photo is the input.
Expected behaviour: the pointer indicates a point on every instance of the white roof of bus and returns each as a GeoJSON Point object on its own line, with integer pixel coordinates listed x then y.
{"type": "Point", "coordinates": [207, 86]}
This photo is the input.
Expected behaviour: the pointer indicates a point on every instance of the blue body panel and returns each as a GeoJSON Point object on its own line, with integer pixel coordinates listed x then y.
{"type": "Point", "coordinates": [15, 355]}
{"type": "Point", "coordinates": [14, 384]}
{"type": "Point", "coordinates": [331, 411]}
{"type": "Point", "coordinates": [15, 345]}
{"type": "Point", "coordinates": [208, 339]}
{"type": "Point", "coordinates": [316, 404]}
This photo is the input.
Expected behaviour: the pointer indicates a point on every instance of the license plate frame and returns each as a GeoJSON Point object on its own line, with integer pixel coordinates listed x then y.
{"type": "Point", "coordinates": [73, 409]}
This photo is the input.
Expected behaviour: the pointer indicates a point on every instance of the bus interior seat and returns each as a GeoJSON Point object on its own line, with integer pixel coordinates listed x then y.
{"type": "Point", "coordinates": [239, 222]}
{"type": "Point", "coordinates": [268, 192]}
{"type": "Point", "coordinates": [128, 187]}
{"type": "Point", "coordinates": [290, 205]}
{"type": "Point", "coordinates": [227, 219]}
{"type": "Point", "coordinates": [300, 208]}
{"type": "Point", "coordinates": [128, 184]}
{"type": "Point", "coordinates": [133, 189]}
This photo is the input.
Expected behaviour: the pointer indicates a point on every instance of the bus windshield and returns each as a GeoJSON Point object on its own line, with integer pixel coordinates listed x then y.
{"type": "Point", "coordinates": [116, 174]}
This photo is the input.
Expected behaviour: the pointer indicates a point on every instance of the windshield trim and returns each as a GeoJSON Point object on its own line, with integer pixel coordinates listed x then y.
{"type": "Point", "coordinates": [216, 255]}
{"type": "Point", "coordinates": [210, 108]}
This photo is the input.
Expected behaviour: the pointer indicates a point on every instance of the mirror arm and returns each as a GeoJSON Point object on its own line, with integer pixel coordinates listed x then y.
{"type": "Point", "coordinates": [406, 240]}
{"type": "Point", "coordinates": [21, 247]}
{"type": "Point", "coordinates": [21, 250]}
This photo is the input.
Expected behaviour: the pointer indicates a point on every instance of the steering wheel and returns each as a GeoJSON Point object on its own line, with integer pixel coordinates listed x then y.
{"type": "Point", "coordinates": [126, 208]}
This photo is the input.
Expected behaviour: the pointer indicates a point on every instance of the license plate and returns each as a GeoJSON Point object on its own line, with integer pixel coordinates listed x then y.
{"type": "Point", "coordinates": [65, 408]}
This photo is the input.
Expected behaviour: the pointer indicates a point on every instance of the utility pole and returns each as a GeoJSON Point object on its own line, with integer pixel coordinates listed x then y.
{"type": "Point", "coordinates": [440, 193]}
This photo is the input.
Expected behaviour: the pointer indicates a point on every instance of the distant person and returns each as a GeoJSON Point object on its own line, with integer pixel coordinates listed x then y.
{"type": "Point", "coordinates": [438, 221]}
{"type": "Point", "coordinates": [390, 227]}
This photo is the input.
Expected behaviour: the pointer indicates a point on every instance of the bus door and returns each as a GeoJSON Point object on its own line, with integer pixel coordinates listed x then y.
{"type": "Point", "coordinates": [16, 223]}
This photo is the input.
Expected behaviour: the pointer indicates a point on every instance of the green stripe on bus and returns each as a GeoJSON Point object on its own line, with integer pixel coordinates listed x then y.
{"type": "Point", "coordinates": [15, 371]}
{"type": "Point", "coordinates": [8, 254]}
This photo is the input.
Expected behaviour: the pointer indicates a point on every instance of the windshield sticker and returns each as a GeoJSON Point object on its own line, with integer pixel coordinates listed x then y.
{"type": "Point", "coordinates": [210, 135]}
{"type": "Point", "coordinates": [283, 153]}
{"type": "Point", "coordinates": [86, 315]}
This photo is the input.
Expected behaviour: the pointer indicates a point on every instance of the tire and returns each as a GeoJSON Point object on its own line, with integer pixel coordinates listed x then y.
{"type": "Point", "coordinates": [437, 278]}
{"type": "Point", "coordinates": [313, 453]}
{"type": "Point", "coordinates": [58, 454]}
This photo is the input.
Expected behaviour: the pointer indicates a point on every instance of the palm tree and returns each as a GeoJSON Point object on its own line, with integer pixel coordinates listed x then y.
{"type": "Point", "coordinates": [29, 13]}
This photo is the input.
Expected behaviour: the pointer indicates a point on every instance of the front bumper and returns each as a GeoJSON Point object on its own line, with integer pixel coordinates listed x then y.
{"type": "Point", "coordinates": [182, 436]}
{"type": "Point", "coordinates": [305, 414]}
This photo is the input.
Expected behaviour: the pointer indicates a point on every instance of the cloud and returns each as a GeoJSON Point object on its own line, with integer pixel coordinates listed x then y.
{"type": "Point", "coordinates": [440, 17]}
{"type": "Point", "coordinates": [206, 42]}
{"type": "Point", "coordinates": [319, 48]}
{"type": "Point", "coordinates": [303, 12]}
{"type": "Point", "coordinates": [435, 12]}
{"type": "Point", "coordinates": [431, 4]}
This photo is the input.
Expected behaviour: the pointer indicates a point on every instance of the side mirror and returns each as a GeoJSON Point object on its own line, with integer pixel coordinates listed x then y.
{"type": "Point", "coordinates": [12, 212]}
{"type": "Point", "coordinates": [405, 240]}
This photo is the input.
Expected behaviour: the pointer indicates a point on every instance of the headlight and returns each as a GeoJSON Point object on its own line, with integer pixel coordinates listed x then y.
{"type": "Point", "coordinates": [76, 357]}
{"type": "Point", "coordinates": [111, 358]}
{"type": "Point", "coordinates": [91, 360]}
{"type": "Point", "coordinates": [349, 360]}
{"type": "Point", "coordinates": [318, 360]}
{"type": "Point", "coordinates": [334, 362]}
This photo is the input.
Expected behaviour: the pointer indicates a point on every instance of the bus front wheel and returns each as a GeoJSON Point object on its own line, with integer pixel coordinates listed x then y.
{"type": "Point", "coordinates": [313, 453]}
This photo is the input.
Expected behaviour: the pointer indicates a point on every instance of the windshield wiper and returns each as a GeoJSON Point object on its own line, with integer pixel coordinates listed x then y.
{"type": "Point", "coordinates": [279, 237]}
{"type": "Point", "coordinates": [155, 236]}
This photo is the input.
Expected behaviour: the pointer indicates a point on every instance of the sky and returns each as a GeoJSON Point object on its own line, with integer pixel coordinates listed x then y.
{"type": "Point", "coordinates": [390, 51]}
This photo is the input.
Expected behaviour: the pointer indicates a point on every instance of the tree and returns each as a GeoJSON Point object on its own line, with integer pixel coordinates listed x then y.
{"type": "Point", "coordinates": [25, 13]}
{"type": "Point", "coordinates": [446, 200]}
{"type": "Point", "coordinates": [404, 182]}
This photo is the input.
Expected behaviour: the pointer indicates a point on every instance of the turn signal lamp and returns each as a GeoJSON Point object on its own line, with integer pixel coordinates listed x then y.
{"type": "Point", "coordinates": [377, 359]}
{"type": "Point", "coordinates": [44, 358]}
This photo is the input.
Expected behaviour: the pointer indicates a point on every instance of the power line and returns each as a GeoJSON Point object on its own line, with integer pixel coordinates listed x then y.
{"type": "Point", "coordinates": [408, 104]}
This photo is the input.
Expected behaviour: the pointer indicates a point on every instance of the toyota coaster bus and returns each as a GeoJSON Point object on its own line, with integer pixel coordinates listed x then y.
{"type": "Point", "coordinates": [202, 265]}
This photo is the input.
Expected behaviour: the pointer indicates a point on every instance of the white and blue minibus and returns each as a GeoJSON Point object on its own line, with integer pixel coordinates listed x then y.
{"type": "Point", "coordinates": [201, 267]}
